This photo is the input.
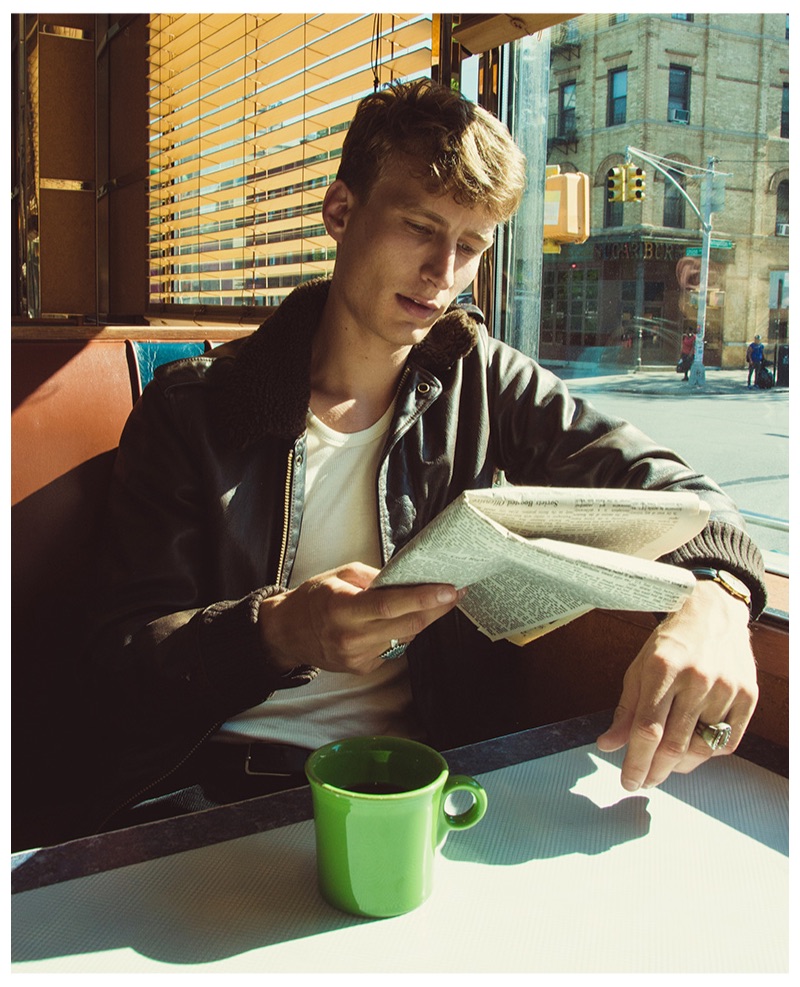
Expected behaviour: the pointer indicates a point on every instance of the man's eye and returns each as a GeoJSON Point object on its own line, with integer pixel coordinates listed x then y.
{"type": "Point", "coordinates": [467, 248]}
{"type": "Point", "coordinates": [417, 228]}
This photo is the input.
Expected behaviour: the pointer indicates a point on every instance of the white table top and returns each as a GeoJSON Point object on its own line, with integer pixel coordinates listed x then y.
{"type": "Point", "coordinates": [566, 873]}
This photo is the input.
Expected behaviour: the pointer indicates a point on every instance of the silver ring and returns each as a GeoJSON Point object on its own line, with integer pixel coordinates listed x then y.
{"type": "Point", "coordinates": [394, 650]}
{"type": "Point", "coordinates": [716, 735]}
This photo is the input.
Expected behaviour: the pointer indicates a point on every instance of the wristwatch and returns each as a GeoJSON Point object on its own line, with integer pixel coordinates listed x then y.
{"type": "Point", "coordinates": [727, 581]}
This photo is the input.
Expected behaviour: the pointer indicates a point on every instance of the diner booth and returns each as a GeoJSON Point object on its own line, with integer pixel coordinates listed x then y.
{"type": "Point", "coordinates": [106, 286]}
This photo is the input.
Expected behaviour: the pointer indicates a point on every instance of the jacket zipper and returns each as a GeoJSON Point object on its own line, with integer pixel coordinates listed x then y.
{"type": "Point", "coordinates": [287, 495]}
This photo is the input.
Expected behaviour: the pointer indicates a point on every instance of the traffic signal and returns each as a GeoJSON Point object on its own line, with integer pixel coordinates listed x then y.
{"type": "Point", "coordinates": [634, 183]}
{"type": "Point", "coordinates": [615, 185]}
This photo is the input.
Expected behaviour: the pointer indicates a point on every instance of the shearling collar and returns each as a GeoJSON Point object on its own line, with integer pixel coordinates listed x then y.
{"type": "Point", "coordinates": [267, 390]}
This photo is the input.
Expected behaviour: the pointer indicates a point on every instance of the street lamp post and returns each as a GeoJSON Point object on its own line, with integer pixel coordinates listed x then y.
{"type": "Point", "coordinates": [711, 198]}
{"type": "Point", "coordinates": [697, 372]}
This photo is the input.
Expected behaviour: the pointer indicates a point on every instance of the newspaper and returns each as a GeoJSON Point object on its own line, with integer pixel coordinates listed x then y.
{"type": "Point", "coordinates": [534, 558]}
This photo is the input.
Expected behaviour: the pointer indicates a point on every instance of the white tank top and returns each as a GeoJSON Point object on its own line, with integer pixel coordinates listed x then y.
{"type": "Point", "coordinates": [340, 524]}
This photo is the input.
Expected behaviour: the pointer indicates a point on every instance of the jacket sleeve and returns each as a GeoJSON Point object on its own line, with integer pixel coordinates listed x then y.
{"type": "Point", "coordinates": [546, 436]}
{"type": "Point", "coordinates": [175, 648]}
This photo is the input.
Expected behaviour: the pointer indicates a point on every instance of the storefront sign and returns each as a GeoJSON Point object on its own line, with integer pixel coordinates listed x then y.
{"type": "Point", "coordinates": [638, 250]}
{"type": "Point", "coordinates": [652, 250]}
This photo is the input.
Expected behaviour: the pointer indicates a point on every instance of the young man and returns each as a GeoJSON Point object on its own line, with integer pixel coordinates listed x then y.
{"type": "Point", "coordinates": [259, 489]}
{"type": "Point", "coordinates": [755, 357]}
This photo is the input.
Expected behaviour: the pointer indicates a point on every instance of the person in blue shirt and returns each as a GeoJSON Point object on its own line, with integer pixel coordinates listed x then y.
{"type": "Point", "coordinates": [755, 357]}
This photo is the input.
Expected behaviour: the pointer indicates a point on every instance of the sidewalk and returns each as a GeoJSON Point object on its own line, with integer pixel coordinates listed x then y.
{"type": "Point", "coordinates": [668, 383]}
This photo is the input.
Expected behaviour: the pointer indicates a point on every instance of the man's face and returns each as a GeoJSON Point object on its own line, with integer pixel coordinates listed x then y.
{"type": "Point", "coordinates": [404, 253]}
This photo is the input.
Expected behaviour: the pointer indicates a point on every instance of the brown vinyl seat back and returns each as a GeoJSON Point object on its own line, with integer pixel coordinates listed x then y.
{"type": "Point", "coordinates": [70, 400]}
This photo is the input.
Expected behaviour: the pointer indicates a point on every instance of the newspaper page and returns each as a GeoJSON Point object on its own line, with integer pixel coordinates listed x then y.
{"type": "Point", "coordinates": [521, 585]}
{"type": "Point", "coordinates": [647, 523]}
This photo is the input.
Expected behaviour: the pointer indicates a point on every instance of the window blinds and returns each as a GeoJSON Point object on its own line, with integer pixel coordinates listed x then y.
{"type": "Point", "coordinates": [247, 117]}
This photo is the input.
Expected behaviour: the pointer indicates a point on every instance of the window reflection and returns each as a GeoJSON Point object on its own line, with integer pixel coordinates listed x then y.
{"type": "Point", "coordinates": [630, 278]}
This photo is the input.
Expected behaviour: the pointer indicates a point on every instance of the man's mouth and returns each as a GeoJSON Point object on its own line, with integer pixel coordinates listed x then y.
{"type": "Point", "coordinates": [420, 308]}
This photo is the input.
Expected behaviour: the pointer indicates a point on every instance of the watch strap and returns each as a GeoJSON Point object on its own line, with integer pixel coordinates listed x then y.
{"type": "Point", "coordinates": [719, 576]}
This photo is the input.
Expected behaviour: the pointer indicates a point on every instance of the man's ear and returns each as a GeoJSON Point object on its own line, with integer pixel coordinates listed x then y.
{"type": "Point", "coordinates": [337, 207]}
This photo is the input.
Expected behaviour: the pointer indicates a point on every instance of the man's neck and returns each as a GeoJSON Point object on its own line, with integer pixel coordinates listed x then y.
{"type": "Point", "coordinates": [353, 379]}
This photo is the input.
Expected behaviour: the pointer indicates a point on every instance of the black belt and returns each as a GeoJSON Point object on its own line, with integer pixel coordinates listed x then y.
{"type": "Point", "coordinates": [259, 758]}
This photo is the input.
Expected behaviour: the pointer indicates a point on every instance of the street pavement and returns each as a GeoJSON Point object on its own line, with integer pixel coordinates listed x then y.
{"type": "Point", "coordinates": [666, 383]}
{"type": "Point", "coordinates": [736, 435]}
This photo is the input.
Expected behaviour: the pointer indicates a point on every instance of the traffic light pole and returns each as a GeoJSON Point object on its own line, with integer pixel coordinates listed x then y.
{"type": "Point", "coordinates": [697, 372]}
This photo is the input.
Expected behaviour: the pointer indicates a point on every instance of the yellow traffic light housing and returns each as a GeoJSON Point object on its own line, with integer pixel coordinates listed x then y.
{"type": "Point", "coordinates": [634, 183]}
{"type": "Point", "coordinates": [566, 208]}
{"type": "Point", "coordinates": [615, 185]}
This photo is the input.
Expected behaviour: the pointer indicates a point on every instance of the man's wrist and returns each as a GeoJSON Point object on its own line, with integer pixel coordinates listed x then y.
{"type": "Point", "coordinates": [725, 580]}
{"type": "Point", "coordinates": [280, 660]}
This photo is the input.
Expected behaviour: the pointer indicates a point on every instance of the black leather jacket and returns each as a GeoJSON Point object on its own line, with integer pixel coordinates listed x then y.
{"type": "Point", "coordinates": [207, 500]}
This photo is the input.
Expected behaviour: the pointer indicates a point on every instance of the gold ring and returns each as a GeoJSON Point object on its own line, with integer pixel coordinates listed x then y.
{"type": "Point", "coordinates": [716, 735]}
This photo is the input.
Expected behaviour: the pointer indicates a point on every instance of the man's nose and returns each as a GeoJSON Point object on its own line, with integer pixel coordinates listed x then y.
{"type": "Point", "coordinates": [440, 265]}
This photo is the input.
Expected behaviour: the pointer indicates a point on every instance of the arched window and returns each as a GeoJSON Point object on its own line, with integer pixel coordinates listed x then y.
{"type": "Point", "coordinates": [674, 202]}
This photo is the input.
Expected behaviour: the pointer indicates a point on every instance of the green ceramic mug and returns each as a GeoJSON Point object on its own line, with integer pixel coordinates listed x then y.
{"type": "Point", "coordinates": [379, 815]}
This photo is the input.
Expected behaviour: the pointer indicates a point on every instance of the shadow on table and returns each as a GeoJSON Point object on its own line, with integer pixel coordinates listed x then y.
{"type": "Point", "coordinates": [574, 803]}
{"type": "Point", "coordinates": [192, 908]}
{"type": "Point", "coordinates": [534, 813]}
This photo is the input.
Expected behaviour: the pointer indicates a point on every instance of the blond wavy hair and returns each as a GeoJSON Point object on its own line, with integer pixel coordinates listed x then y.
{"type": "Point", "coordinates": [461, 148]}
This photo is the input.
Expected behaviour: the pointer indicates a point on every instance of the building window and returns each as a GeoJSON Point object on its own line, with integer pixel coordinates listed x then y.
{"type": "Point", "coordinates": [613, 213]}
{"type": "Point", "coordinates": [567, 121]}
{"type": "Point", "coordinates": [570, 310]}
{"type": "Point", "coordinates": [785, 111]}
{"type": "Point", "coordinates": [617, 97]}
{"type": "Point", "coordinates": [683, 17]}
{"type": "Point", "coordinates": [674, 202]}
{"type": "Point", "coordinates": [679, 93]}
{"type": "Point", "coordinates": [621, 18]}
{"type": "Point", "coordinates": [247, 117]}
{"type": "Point", "coordinates": [782, 209]}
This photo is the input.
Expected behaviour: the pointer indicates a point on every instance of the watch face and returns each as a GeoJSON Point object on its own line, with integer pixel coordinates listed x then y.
{"type": "Point", "coordinates": [734, 583]}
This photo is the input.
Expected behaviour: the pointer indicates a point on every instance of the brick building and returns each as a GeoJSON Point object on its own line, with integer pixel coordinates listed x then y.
{"type": "Point", "coordinates": [686, 89]}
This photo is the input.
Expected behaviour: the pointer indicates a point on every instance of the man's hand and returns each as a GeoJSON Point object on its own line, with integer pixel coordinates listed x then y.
{"type": "Point", "coordinates": [697, 665]}
{"type": "Point", "coordinates": [334, 621]}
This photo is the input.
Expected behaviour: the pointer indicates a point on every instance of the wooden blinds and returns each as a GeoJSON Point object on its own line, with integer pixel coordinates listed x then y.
{"type": "Point", "coordinates": [247, 117]}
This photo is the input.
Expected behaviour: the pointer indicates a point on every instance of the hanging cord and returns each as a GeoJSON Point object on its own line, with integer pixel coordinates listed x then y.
{"type": "Point", "coordinates": [375, 50]}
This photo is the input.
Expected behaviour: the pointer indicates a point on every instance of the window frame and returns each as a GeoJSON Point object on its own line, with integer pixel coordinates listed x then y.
{"type": "Point", "coordinates": [679, 96]}
{"type": "Point", "coordinates": [674, 216]}
{"type": "Point", "coordinates": [567, 113]}
{"type": "Point", "coordinates": [785, 111]}
{"type": "Point", "coordinates": [614, 101]}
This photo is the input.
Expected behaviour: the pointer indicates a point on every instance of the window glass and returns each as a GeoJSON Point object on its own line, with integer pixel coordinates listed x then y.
{"type": "Point", "coordinates": [567, 106]}
{"type": "Point", "coordinates": [674, 199]}
{"type": "Point", "coordinates": [617, 96]}
{"type": "Point", "coordinates": [785, 111]}
{"type": "Point", "coordinates": [615, 307]}
{"type": "Point", "coordinates": [678, 94]}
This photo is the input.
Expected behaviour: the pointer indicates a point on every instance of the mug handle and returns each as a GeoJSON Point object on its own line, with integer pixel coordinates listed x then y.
{"type": "Point", "coordinates": [470, 816]}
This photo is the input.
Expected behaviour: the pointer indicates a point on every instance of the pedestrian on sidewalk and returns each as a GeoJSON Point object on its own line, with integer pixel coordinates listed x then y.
{"type": "Point", "coordinates": [755, 357]}
{"type": "Point", "coordinates": [687, 353]}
